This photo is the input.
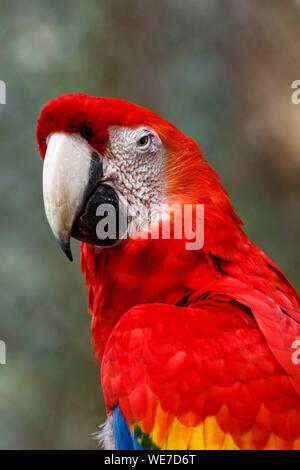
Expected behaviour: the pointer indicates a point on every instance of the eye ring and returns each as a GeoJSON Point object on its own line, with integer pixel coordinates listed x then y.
{"type": "Point", "coordinates": [144, 142]}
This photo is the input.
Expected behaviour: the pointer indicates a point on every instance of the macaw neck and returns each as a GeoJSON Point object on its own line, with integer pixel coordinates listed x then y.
{"type": "Point", "coordinates": [150, 271]}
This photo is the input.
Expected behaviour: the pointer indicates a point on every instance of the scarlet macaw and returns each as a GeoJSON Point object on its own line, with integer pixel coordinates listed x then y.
{"type": "Point", "coordinates": [196, 346]}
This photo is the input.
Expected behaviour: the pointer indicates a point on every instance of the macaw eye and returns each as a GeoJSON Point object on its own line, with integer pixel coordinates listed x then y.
{"type": "Point", "coordinates": [144, 142]}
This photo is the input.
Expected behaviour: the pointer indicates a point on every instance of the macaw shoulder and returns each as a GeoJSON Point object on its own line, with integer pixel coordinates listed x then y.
{"type": "Point", "coordinates": [171, 372]}
{"type": "Point", "coordinates": [177, 351]}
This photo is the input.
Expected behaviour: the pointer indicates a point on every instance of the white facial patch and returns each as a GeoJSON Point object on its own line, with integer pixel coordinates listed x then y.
{"type": "Point", "coordinates": [135, 162]}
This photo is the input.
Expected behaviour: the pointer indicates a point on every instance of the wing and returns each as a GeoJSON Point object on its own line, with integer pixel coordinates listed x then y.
{"type": "Point", "coordinates": [197, 378]}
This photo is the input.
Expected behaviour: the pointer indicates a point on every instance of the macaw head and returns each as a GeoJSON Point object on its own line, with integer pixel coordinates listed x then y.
{"type": "Point", "coordinates": [100, 151]}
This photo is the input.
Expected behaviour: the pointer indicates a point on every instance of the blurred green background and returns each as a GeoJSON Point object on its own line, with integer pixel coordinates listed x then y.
{"type": "Point", "coordinates": [221, 70]}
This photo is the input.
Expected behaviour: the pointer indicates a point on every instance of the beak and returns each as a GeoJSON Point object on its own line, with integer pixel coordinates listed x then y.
{"type": "Point", "coordinates": [72, 188]}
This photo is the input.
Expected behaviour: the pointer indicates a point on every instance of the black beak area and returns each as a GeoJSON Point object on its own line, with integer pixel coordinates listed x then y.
{"type": "Point", "coordinates": [86, 226]}
{"type": "Point", "coordinates": [78, 201]}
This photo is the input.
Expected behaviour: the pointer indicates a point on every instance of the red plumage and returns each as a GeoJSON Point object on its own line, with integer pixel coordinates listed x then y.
{"type": "Point", "coordinates": [199, 334]}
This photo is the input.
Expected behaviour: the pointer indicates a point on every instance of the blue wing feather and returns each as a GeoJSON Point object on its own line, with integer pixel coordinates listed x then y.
{"type": "Point", "coordinates": [124, 439]}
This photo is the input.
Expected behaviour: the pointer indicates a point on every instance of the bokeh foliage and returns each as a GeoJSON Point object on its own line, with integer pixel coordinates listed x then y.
{"type": "Point", "coordinates": [221, 70]}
